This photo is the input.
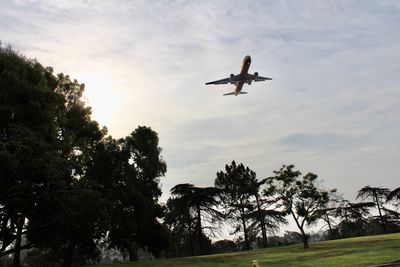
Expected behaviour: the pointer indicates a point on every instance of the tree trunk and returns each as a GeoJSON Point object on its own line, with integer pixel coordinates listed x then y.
{"type": "Point", "coordinates": [68, 254]}
{"type": "Point", "coordinates": [246, 239]}
{"type": "Point", "coordinates": [380, 213]}
{"type": "Point", "coordinates": [305, 237]}
{"type": "Point", "coordinates": [305, 240]}
{"type": "Point", "coordinates": [13, 250]}
{"type": "Point", "coordinates": [133, 252]}
{"type": "Point", "coordinates": [191, 234]}
{"type": "Point", "coordinates": [18, 240]}
{"type": "Point", "coordinates": [262, 223]}
{"type": "Point", "coordinates": [199, 229]}
{"type": "Point", "coordinates": [191, 244]}
{"type": "Point", "coordinates": [329, 222]}
{"type": "Point", "coordinates": [3, 231]}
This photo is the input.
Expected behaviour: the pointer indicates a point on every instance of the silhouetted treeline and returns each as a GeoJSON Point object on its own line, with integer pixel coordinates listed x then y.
{"type": "Point", "coordinates": [69, 191]}
{"type": "Point", "coordinates": [65, 186]}
{"type": "Point", "coordinates": [256, 209]}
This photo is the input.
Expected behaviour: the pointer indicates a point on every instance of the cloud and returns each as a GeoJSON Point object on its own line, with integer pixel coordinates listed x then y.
{"type": "Point", "coordinates": [326, 142]}
{"type": "Point", "coordinates": [331, 107]}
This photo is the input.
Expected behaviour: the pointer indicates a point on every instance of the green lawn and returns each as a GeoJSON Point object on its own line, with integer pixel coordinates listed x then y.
{"type": "Point", "coordinates": [361, 251]}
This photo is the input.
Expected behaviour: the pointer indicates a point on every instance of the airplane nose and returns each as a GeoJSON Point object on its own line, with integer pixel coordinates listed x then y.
{"type": "Point", "coordinates": [247, 59]}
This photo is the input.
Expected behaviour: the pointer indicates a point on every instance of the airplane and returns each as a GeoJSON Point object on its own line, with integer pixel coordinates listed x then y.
{"type": "Point", "coordinates": [243, 77]}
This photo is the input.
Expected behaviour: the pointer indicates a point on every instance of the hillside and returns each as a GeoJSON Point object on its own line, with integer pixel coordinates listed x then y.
{"type": "Point", "coordinates": [361, 251]}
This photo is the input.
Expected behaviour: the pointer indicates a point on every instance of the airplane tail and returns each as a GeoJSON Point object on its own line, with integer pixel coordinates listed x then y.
{"type": "Point", "coordinates": [233, 93]}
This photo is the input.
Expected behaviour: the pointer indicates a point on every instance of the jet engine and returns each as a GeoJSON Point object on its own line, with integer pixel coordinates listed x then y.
{"type": "Point", "coordinates": [232, 78]}
{"type": "Point", "coordinates": [255, 75]}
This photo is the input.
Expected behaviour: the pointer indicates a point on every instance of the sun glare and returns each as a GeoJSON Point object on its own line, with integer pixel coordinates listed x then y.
{"type": "Point", "coordinates": [102, 96]}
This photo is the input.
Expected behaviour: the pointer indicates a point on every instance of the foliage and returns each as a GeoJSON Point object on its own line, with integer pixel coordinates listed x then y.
{"type": "Point", "coordinates": [42, 258]}
{"type": "Point", "coordinates": [181, 226]}
{"type": "Point", "coordinates": [224, 246]}
{"type": "Point", "coordinates": [394, 195]}
{"type": "Point", "coordinates": [329, 214]}
{"type": "Point", "coordinates": [265, 217]}
{"type": "Point", "coordinates": [126, 172]}
{"type": "Point", "coordinates": [394, 199]}
{"type": "Point", "coordinates": [378, 196]}
{"type": "Point", "coordinates": [28, 143]}
{"type": "Point", "coordinates": [6, 262]}
{"type": "Point", "coordinates": [301, 198]}
{"type": "Point", "coordinates": [202, 203]}
{"type": "Point", "coordinates": [353, 219]}
{"type": "Point", "coordinates": [64, 186]}
{"type": "Point", "coordinates": [235, 184]}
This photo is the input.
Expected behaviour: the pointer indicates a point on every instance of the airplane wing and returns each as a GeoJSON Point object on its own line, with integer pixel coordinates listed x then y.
{"type": "Point", "coordinates": [231, 79]}
{"type": "Point", "coordinates": [257, 78]}
{"type": "Point", "coordinates": [260, 79]}
{"type": "Point", "coordinates": [233, 93]}
{"type": "Point", "coordinates": [222, 81]}
{"type": "Point", "coordinates": [230, 93]}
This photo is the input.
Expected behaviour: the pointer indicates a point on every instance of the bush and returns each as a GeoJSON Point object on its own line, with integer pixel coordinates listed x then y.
{"type": "Point", "coordinates": [39, 258]}
{"type": "Point", "coordinates": [5, 261]}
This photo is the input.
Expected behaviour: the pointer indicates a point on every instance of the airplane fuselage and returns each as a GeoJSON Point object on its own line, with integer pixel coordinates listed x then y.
{"type": "Point", "coordinates": [240, 79]}
{"type": "Point", "coordinates": [243, 74]}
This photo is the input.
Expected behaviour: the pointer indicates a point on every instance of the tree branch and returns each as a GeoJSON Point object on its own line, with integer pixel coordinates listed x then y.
{"type": "Point", "coordinates": [10, 251]}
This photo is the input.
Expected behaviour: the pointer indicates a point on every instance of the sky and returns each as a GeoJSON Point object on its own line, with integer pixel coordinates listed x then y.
{"type": "Point", "coordinates": [332, 107]}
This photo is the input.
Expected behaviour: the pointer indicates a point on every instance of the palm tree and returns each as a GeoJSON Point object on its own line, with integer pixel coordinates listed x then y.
{"type": "Point", "coordinates": [203, 200]}
{"type": "Point", "coordinates": [377, 194]}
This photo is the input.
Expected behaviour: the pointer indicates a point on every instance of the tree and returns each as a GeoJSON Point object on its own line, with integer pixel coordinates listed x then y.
{"type": "Point", "coordinates": [235, 195]}
{"type": "Point", "coordinates": [146, 157]}
{"type": "Point", "coordinates": [353, 219]}
{"type": "Point", "coordinates": [126, 172]}
{"type": "Point", "coordinates": [181, 225]}
{"type": "Point", "coordinates": [329, 213]}
{"type": "Point", "coordinates": [224, 246]}
{"type": "Point", "coordinates": [378, 196]}
{"type": "Point", "coordinates": [265, 217]}
{"type": "Point", "coordinates": [63, 186]}
{"type": "Point", "coordinates": [203, 200]}
{"type": "Point", "coordinates": [259, 214]}
{"type": "Point", "coordinates": [28, 145]}
{"type": "Point", "coordinates": [394, 195]}
{"type": "Point", "coordinates": [46, 140]}
{"type": "Point", "coordinates": [301, 198]}
{"type": "Point", "coordinates": [79, 222]}
{"type": "Point", "coordinates": [394, 198]}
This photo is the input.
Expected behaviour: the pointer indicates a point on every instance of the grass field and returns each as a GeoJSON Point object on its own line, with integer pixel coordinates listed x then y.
{"type": "Point", "coordinates": [361, 251]}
